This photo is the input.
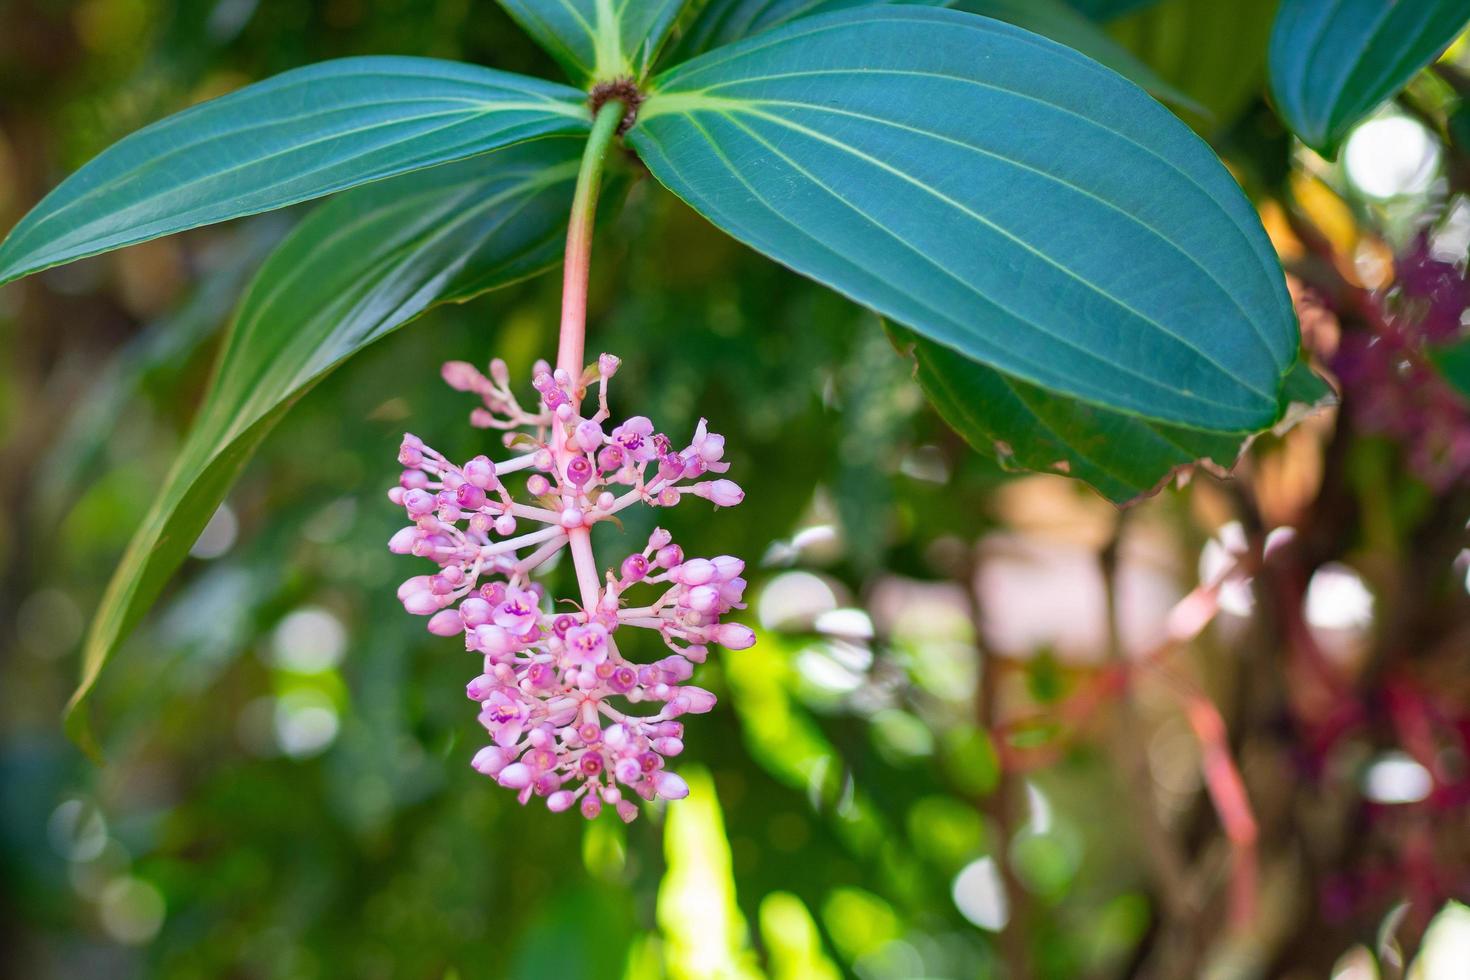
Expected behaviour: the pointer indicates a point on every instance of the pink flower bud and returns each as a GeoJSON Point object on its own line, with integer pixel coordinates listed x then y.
{"type": "Point", "coordinates": [627, 810]}
{"type": "Point", "coordinates": [727, 567]}
{"type": "Point", "coordinates": [589, 436]}
{"type": "Point", "coordinates": [734, 636]}
{"type": "Point", "coordinates": [490, 760]}
{"type": "Point", "coordinates": [607, 365]}
{"type": "Point", "coordinates": [696, 700]}
{"type": "Point", "coordinates": [462, 376]}
{"type": "Point", "coordinates": [669, 785]}
{"type": "Point", "coordinates": [538, 485]}
{"type": "Point", "coordinates": [561, 800]}
{"type": "Point", "coordinates": [402, 542]}
{"type": "Point", "coordinates": [695, 571]}
{"type": "Point", "coordinates": [419, 583]}
{"type": "Point", "coordinates": [475, 611]}
{"type": "Point", "coordinates": [480, 688]}
{"type": "Point", "coordinates": [517, 775]}
{"type": "Point", "coordinates": [505, 525]}
{"type": "Point", "coordinates": [704, 598]}
{"type": "Point", "coordinates": [423, 603]}
{"type": "Point", "coordinates": [469, 496]}
{"type": "Point", "coordinates": [446, 622]}
{"type": "Point", "coordinates": [591, 806]}
{"type": "Point", "coordinates": [721, 493]}
{"type": "Point", "coordinates": [668, 745]}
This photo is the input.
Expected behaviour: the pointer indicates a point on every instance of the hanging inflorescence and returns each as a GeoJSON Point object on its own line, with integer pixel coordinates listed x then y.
{"type": "Point", "coordinates": [557, 698]}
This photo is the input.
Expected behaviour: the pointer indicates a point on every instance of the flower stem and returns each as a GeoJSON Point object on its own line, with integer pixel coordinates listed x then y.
{"type": "Point", "coordinates": [577, 268]}
{"type": "Point", "coordinates": [570, 352]}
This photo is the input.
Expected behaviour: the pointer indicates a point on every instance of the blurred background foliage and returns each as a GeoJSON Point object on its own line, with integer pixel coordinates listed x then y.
{"type": "Point", "coordinates": [979, 735]}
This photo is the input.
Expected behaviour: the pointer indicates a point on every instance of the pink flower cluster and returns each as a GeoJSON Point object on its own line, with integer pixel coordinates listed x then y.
{"type": "Point", "coordinates": [556, 695]}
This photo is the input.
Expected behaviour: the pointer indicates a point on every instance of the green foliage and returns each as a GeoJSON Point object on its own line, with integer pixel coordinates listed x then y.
{"type": "Point", "coordinates": [1215, 53]}
{"type": "Point", "coordinates": [1333, 64]}
{"type": "Point", "coordinates": [300, 135]}
{"type": "Point", "coordinates": [598, 40]}
{"type": "Point", "coordinates": [364, 265]}
{"type": "Point", "coordinates": [892, 155]}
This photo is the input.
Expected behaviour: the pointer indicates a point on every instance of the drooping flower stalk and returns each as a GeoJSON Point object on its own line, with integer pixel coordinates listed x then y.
{"type": "Point", "coordinates": [558, 698]}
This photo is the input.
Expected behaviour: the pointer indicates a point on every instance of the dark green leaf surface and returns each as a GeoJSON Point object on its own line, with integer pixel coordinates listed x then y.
{"type": "Point", "coordinates": [355, 269]}
{"type": "Point", "coordinates": [297, 136]}
{"type": "Point", "coordinates": [1000, 194]}
{"type": "Point", "coordinates": [598, 40]}
{"type": "Point", "coordinates": [725, 21]}
{"type": "Point", "coordinates": [1334, 63]}
{"type": "Point", "coordinates": [1121, 456]}
{"type": "Point", "coordinates": [1453, 363]}
{"type": "Point", "coordinates": [1105, 10]}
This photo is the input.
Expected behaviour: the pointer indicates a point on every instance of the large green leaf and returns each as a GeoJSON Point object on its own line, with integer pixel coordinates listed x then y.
{"type": "Point", "coordinates": [355, 269]}
{"type": "Point", "coordinates": [1213, 52]}
{"type": "Point", "coordinates": [1333, 63]}
{"type": "Point", "coordinates": [1122, 457]}
{"type": "Point", "coordinates": [998, 193]}
{"type": "Point", "coordinates": [598, 40]}
{"type": "Point", "coordinates": [725, 21]}
{"type": "Point", "coordinates": [293, 137]}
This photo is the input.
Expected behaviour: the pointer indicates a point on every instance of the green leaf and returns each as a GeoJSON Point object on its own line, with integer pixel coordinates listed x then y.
{"type": "Point", "coordinates": [299, 135]}
{"type": "Point", "coordinates": [1213, 52]}
{"type": "Point", "coordinates": [1025, 427]}
{"type": "Point", "coordinates": [1453, 363]}
{"type": "Point", "coordinates": [998, 193]}
{"type": "Point", "coordinates": [1122, 457]}
{"type": "Point", "coordinates": [725, 21]}
{"type": "Point", "coordinates": [358, 267]}
{"type": "Point", "coordinates": [598, 40]}
{"type": "Point", "coordinates": [1105, 10]}
{"type": "Point", "coordinates": [1333, 63]}
{"type": "Point", "coordinates": [722, 22]}
{"type": "Point", "coordinates": [1056, 20]}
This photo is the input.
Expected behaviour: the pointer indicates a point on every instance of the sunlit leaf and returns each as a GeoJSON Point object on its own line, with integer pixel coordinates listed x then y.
{"type": "Point", "coordinates": [598, 40]}
{"type": "Point", "coordinates": [355, 269]}
{"type": "Point", "coordinates": [1334, 63]}
{"type": "Point", "coordinates": [297, 136]}
{"type": "Point", "coordinates": [998, 193]}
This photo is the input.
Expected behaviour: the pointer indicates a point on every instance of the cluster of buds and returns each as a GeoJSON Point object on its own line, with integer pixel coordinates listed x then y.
{"type": "Point", "coordinates": [556, 696]}
{"type": "Point", "coordinates": [1392, 387]}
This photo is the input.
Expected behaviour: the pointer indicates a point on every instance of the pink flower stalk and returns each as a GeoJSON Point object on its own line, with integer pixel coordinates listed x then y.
{"type": "Point", "coordinates": [551, 672]}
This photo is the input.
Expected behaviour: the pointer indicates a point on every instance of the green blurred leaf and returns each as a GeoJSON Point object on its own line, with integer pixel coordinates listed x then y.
{"type": "Point", "coordinates": [1122, 457]}
{"type": "Point", "coordinates": [297, 136]}
{"type": "Point", "coordinates": [598, 40]}
{"type": "Point", "coordinates": [355, 269]}
{"type": "Point", "coordinates": [1102, 10]}
{"type": "Point", "coordinates": [1333, 64]}
{"type": "Point", "coordinates": [1061, 23]}
{"type": "Point", "coordinates": [1213, 52]}
{"type": "Point", "coordinates": [833, 145]}
{"type": "Point", "coordinates": [1453, 363]}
